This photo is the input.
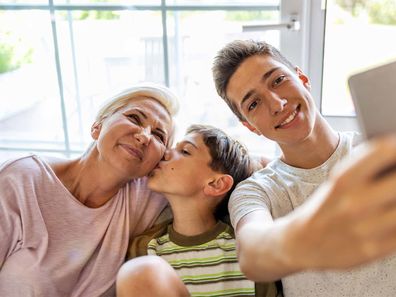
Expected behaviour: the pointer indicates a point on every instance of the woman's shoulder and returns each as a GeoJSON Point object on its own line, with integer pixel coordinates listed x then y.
{"type": "Point", "coordinates": [25, 163]}
{"type": "Point", "coordinates": [29, 166]}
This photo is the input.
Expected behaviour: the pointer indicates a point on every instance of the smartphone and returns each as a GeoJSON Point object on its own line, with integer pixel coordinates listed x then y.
{"type": "Point", "coordinates": [373, 93]}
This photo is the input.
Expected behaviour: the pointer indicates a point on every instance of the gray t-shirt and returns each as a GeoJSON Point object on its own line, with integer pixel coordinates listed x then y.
{"type": "Point", "coordinates": [52, 245]}
{"type": "Point", "coordinates": [281, 188]}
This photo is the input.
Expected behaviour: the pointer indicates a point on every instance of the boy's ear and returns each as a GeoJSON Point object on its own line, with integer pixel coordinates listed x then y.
{"type": "Point", "coordinates": [250, 127]}
{"type": "Point", "coordinates": [305, 80]}
{"type": "Point", "coordinates": [95, 130]}
{"type": "Point", "coordinates": [219, 186]}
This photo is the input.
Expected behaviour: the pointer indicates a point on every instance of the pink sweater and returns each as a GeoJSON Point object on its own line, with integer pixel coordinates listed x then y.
{"type": "Point", "coordinates": [53, 245]}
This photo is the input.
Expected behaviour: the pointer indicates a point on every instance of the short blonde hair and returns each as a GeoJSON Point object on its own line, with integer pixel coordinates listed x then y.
{"type": "Point", "coordinates": [160, 93]}
{"type": "Point", "coordinates": [157, 92]}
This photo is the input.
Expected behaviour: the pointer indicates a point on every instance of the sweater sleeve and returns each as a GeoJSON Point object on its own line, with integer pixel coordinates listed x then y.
{"type": "Point", "coordinates": [10, 214]}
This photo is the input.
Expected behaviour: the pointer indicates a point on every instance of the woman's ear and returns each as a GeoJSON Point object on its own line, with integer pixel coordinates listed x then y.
{"type": "Point", "coordinates": [95, 130]}
{"type": "Point", "coordinates": [219, 186]}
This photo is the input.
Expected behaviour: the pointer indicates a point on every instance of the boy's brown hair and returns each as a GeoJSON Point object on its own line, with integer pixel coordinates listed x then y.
{"type": "Point", "coordinates": [231, 56]}
{"type": "Point", "coordinates": [228, 156]}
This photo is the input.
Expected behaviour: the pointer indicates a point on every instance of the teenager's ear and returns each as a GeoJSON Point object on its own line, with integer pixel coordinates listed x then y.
{"type": "Point", "coordinates": [250, 127]}
{"type": "Point", "coordinates": [95, 130]}
{"type": "Point", "coordinates": [219, 186]}
{"type": "Point", "coordinates": [305, 80]}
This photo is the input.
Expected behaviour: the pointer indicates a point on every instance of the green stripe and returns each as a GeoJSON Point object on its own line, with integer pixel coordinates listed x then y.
{"type": "Point", "coordinates": [228, 293]}
{"type": "Point", "coordinates": [225, 274]}
{"type": "Point", "coordinates": [216, 259]}
{"type": "Point", "coordinates": [219, 279]}
{"type": "Point", "coordinates": [190, 265]}
{"type": "Point", "coordinates": [172, 248]}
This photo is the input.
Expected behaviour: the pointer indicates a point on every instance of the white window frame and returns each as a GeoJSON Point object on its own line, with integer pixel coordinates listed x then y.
{"type": "Point", "coordinates": [303, 47]}
{"type": "Point", "coordinates": [312, 60]}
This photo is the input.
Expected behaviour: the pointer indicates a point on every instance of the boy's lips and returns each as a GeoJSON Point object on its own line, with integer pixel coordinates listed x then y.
{"type": "Point", "coordinates": [288, 118]}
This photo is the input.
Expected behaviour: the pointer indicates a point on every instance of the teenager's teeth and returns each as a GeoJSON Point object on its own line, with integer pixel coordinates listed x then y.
{"type": "Point", "coordinates": [290, 118]}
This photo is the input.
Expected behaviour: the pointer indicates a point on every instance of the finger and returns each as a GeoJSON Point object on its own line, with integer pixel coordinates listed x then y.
{"type": "Point", "coordinates": [366, 161]}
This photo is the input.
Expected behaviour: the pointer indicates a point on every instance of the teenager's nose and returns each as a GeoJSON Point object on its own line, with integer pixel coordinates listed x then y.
{"type": "Point", "coordinates": [277, 104]}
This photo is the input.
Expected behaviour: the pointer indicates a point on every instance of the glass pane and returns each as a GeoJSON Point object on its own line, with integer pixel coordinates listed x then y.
{"type": "Point", "coordinates": [359, 34]}
{"type": "Point", "coordinates": [225, 2]}
{"type": "Point", "coordinates": [30, 105]}
{"type": "Point", "coordinates": [24, 1]}
{"type": "Point", "coordinates": [109, 2]}
{"type": "Point", "coordinates": [102, 52]}
{"type": "Point", "coordinates": [191, 51]}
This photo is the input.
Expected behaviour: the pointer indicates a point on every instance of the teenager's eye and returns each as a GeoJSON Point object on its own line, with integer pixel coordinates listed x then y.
{"type": "Point", "coordinates": [278, 80]}
{"type": "Point", "coordinates": [252, 105]}
{"type": "Point", "coordinates": [135, 118]}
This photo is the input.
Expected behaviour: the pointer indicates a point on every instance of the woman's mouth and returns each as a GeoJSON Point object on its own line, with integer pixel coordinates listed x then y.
{"type": "Point", "coordinates": [132, 151]}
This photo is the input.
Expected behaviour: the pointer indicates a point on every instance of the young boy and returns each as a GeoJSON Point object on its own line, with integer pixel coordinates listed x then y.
{"type": "Point", "coordinates": [197, 177]}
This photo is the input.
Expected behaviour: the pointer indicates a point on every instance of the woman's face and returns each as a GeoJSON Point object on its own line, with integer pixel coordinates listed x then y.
{"type": "Point", "coordinates": [133, 139]}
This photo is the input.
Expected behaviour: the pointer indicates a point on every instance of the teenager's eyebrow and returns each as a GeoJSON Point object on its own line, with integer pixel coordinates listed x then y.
{"type": "Point", "coordinates": [263, 79]}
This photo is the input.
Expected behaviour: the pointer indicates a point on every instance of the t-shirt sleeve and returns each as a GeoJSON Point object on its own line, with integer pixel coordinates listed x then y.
{"type": "Point", "coordinates": [247, 197]}
{"type": "Point", "coordinates": [10, 223]}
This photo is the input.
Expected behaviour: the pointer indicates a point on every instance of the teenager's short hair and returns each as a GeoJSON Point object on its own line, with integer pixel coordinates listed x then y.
{"type": "Point", "coordinates": [231, 56]}
{"type": "Point", "coordinates": [228, 155]}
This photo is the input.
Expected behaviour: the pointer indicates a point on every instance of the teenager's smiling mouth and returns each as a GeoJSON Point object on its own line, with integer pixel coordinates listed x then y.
{"type": "Point", "coordinates": [290, 118]}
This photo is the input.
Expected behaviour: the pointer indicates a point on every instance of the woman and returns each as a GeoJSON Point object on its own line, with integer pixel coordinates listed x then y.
{"type": "Point", "coordinates": [65, 224]}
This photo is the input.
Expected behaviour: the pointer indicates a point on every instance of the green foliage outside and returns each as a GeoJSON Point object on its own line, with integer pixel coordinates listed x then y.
{"type": "Point", "coordinates": [95, 14]}
{"type": "Point", "coordinates": [251, 15]}
{"type": "Point", "coordinates": [12, 53]}
{"type": "Point", "coordinates": [383, 12]}
{"type": "Point", "coordinates": [379, 11]}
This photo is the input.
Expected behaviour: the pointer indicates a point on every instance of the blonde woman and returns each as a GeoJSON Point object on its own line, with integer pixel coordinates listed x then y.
{"type": "Point", "coordinates": [65, 224]}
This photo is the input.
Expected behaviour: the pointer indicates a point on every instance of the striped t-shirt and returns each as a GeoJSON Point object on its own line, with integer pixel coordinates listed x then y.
{"type": "Point", "coordinates": [207, 263]}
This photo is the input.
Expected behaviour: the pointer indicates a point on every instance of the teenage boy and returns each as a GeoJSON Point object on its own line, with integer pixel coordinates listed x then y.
{"type": "Point", "coordinates": [348, 221]}
{"type": "Point", "coordinates": [196, 177]}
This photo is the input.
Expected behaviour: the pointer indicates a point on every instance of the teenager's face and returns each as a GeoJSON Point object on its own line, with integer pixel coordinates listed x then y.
{"type": "Point", "coordinates": [133, 139]}
{"type": "Point", "coordinates": [184, 170]}
{"type": "Point", "coordinates": [275, 101]}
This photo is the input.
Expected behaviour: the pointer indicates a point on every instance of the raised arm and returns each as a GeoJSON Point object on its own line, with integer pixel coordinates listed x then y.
{"type": "Point", "coordinates": [348, 221]}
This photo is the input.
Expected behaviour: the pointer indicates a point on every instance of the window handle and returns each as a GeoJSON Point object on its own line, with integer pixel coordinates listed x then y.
{"type": "Point", "coordinates": [293, 25]}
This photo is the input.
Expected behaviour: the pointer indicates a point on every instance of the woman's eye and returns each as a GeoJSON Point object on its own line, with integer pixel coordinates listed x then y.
{"type": "Point", "coordinates": [160, 137]}
{"type": "Point", "coordinates": [135, 118]}
{"type": "Point", "coordinates": [278, 80]}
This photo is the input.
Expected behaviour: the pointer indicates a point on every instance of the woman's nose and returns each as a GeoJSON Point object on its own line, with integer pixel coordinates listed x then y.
{"type": "Point", "coordinates": [167, 155]}
{"type": "Point", "coordinates": [143, 136]}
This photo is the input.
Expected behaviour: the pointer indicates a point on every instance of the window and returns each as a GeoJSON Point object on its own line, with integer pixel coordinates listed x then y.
{"type": "Point", "coordinates": [55, 74]}
{"type": "Point", "coordinates": [358, 34]}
